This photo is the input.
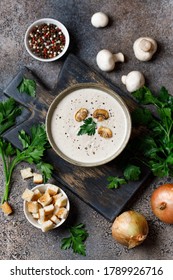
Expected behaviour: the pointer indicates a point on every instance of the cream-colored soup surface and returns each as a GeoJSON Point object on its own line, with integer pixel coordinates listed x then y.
{"type": "Point", "coordinates": [84, 148]}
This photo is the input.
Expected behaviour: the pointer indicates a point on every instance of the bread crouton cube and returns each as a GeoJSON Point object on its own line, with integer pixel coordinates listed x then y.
{"type": "Point", "coordinates": [52, 190]}
{"type": "Point", "coordinates": [62, 213]}
{"type": "Point", "coordinates": [56, 197]}
{"type": "Point", "coordinates": [47, 225]}
{"type": "Point", "coordinates": [6, 208]}
{"type": "Point", "coordinates": [36, 215]}
{"type": "Point", "coordinates": [61, 201]}
{"type": "Point", "coordinates": [26, 173]}
{"type": "Point", "coordinates": [55, 220]}
{"type": "Point", "coordinates": [33, 206]}
{"type": "Point", "coordinates": [45, 199]}
{"type": "Point", "coordinates": [37, 178]}
{"type": "Point", "coordinates": [56, 209]}
{"type": "Point", "coordinates": [27, 195]}
{"type": "Point", "coordinates": [49, 209]}
{"type": "Point", "coordinates": [41, 216]}
{"type": "Point", "coordinates": [37, 195]}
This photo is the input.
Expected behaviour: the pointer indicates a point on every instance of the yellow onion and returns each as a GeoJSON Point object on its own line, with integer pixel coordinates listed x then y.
{"type": "Point", "coordinates": [162, 203]}
{"type": "Point", "coordinates": [130, 229]}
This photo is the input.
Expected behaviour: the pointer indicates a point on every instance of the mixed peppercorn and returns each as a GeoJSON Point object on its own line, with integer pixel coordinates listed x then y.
{"type": "Point", "coordinates": [46, 40]}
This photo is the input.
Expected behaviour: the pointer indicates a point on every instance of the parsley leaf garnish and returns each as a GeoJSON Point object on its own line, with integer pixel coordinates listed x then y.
{"type": "Point", "coordinates": [76, 240]}
{"type": "Point", "coordinates": [27, 86]}
{"type": "Point", "coordinates": [89, 127]}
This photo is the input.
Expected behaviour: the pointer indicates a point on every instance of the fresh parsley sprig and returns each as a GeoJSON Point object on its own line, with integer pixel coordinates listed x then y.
{"type": "Point", "coordinates": [89, 127]}
{"type": "Point", "coordinates": [27, 86]}
{"type": "Point", "coordinates": [115, 182]}
{"type": "Point", "coordinates": [78, 235]}
{"type": "Point", "coordinates": [34, 147]}
{"type": "Point", "coordinates": [155, 148]}
{"type": "Point", "coordinates": [131, 173]}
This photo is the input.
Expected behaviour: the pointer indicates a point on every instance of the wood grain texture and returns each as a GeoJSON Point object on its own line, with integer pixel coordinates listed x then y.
{"type": "Point", "coordinates": [90, 184]}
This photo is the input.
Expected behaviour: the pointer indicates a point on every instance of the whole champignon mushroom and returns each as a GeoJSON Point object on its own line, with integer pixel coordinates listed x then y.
{"type": "Point", "coordinates": [106, 60]}
{"type": "Point", "coordinates": [144, 48]}
{"type": "Point", "coordinates": [133, 81]}
{"type": "Point", "coordinates": [99, 20]}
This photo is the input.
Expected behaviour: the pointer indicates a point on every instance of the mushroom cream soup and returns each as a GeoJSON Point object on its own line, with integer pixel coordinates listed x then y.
{"type": "Point", "coordinates": [86, 149]}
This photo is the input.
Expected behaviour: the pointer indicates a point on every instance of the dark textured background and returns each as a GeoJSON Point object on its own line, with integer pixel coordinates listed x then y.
{"type": "Point", "coordinates": [128, 21]}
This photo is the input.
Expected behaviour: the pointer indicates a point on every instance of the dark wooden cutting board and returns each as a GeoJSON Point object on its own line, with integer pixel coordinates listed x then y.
{"type": "Point", "coordinates": [90, 184]}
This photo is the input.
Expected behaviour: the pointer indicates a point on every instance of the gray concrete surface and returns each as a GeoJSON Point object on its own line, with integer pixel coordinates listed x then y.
{"type": "Point", "coordinates": [128, 21]}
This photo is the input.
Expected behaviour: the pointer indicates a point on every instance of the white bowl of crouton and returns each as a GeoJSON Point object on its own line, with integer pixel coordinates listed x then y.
{"type": "Point", "coordinates": [46, 206]}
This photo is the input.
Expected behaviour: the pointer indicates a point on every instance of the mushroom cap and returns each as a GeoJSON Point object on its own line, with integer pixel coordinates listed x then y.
{"type": "Point", "coordinates": [101, 114]}
{"type": "Point", "coordinates": [133, 81]}
{"type": "Point", "coordinates": [99, 20]}
{"type": "Point", "coordinates": [81, 114]}
{"type": "Point", "coordinates": [144, 48]}
{"type": "Point", "coordinates": [105, 132]}
{"type": "Point", "coordinates": [105, 60]}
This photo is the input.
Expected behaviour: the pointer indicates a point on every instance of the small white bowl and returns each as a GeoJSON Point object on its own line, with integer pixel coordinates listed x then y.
{"type": "Point", "coordinates": [47, 21]}
{"type": "Point", "coordinates": [28, 215]}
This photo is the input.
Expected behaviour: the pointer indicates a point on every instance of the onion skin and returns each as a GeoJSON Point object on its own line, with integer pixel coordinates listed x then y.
{"type": "Point", "coordinates": [130, 229]}
{"type": "Point", "coordinates": [162, 203]}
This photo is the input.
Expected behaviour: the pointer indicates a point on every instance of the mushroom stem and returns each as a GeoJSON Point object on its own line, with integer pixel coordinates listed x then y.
{"type": "Point", "coordinates": [123, 79]}
{"type": "Point", "coordinates": [118, 57]}
{"type": "Point", "coordinates": [145, 45]}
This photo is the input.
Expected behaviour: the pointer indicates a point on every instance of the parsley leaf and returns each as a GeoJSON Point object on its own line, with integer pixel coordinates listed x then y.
{"type": "Point", "coordinates": [132, 173]}
{"type": "Point", "coordinates": [144, 96]}
{"type": "Point", "coordinates": [66, 243]}
{"type": "Point", "coordinates": [89, 127]}
{"type": "Point", "coordinates": [27, 86]}
{"type": "Point", "coordinates": [9, 110]}
{"type": "Point", "coordinates": [76, 240]}
{"type": "Point", "coordinates": [46, 169]}
{"type": "Point", "coordinates": [115, 182]}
